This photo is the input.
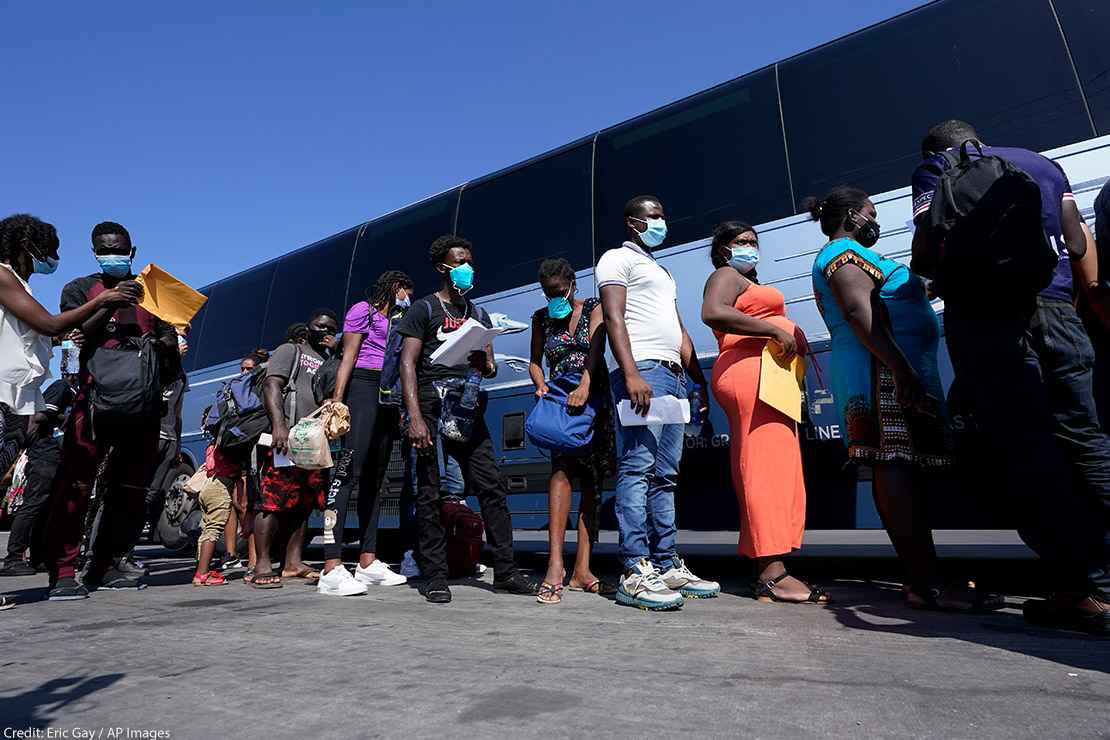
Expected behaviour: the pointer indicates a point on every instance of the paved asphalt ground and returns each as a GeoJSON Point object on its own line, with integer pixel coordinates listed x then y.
{"type": "Point", "coordinates": [239, 663]}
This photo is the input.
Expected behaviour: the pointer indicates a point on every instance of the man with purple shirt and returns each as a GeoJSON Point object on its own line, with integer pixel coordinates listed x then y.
{"type": "Point", "coordinates": [1028, 366]}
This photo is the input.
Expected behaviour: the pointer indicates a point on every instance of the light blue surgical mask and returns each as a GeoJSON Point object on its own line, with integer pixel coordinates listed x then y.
{"type": "Point", "coordinates": [655, 233]}
{"type": "Point", "coordinates": [462, 277]}
{"type": "Point", "coordinates": [115, 265]}
{"type": "Point", "coordinates": [744, 259]}
{"type": "Point", "coordinates": [404, 302]}
{"type": "Point", "coordinates": [44, 267]}
{"type": "Point", "coordinates": [560, 307]}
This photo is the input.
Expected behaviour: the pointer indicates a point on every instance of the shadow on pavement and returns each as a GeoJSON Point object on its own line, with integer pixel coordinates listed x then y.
{"type": "Point", "coordinates": [40, 707]}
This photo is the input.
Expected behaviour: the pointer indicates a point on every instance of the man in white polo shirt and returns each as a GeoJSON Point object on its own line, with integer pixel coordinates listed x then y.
{"type": "Point", "coordinates": [654, 355]}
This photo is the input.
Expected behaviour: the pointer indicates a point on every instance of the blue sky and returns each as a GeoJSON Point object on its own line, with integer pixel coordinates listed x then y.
{"type": "Point", "coordinates": [222, 134]}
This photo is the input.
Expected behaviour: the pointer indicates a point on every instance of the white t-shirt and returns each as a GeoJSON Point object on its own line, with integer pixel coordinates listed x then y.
{"type": "Point", "coordinates": [24, 360]}
{"type": "Point", "coordinates": [650, 308]}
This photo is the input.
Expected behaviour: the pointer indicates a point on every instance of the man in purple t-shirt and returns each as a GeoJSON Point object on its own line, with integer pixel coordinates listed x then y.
{"type": "Point", "coordinates": [1027, 372]}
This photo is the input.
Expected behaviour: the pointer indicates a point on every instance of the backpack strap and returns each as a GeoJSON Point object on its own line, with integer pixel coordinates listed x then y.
{"type": "Point", "coordinates": [291, 385]}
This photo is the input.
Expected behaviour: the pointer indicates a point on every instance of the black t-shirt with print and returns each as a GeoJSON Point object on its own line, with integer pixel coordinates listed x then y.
{"type": "Point", "coordinates": [427, 321]}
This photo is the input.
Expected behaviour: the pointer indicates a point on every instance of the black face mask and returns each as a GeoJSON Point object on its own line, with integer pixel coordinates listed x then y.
{"type": "Point", "coordinates": [317, 336]}
{"type": "Point", "coordinates": [867, 234]}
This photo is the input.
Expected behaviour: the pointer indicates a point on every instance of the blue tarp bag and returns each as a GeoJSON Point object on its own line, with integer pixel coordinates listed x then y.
{"type": "Point", "coordinates": [552, 426]}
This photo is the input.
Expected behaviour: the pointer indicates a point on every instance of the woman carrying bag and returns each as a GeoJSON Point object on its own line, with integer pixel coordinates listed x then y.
{"type": "Point", "coordinates": [569, 334]}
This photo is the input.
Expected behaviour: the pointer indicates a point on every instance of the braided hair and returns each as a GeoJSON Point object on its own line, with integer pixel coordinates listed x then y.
{"type": "Point", "coordinates": [384, 292]}
{"type": "Point", "coordinates": [25, 233]}
{"type": "Point", "coordinates": [832, 210]}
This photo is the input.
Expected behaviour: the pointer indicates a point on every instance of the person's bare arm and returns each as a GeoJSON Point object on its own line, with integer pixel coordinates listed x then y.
{"type": "Point", "coordinates": [1076, 234]}
{"type": "Point", "coordinates": [595, 362]}
{"type": "Point", "coordinates": [613, 299]}
{"type": "Point", "coordinates": [352, 344]}
{"type": "Point", "coordinates": [25, 308]}
{"type": "Point", "coordinates": [922, 258]}
{"type": "Point", "coordinates": [719, 312]}
{"type": "Point", "coordinates": [535, 357]}
{"type": "Point", "coordinates": [272, 388]}
{"type": "Point", "coordinates": [859, 301]}
{"type": "Point", "coordinates": [1086, 275]}
{"type": "Point", "coordinates": [418, 429]}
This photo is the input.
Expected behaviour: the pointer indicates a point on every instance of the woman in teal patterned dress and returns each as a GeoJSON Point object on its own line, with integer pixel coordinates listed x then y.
{"type": "Point", "coordinates": [886, 384]}
{"type": "Point", "coordinates": [569, 334]}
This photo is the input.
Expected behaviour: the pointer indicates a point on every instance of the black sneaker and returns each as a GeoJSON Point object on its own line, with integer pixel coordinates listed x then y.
{"type": "Point", "coordinates": [67, 589]}
{"type": "Point", "coordinates": [113, 580]}
{"type": "Point", "coordinates": [17, 568]}
{"type": "Point", "coordinates": [231, 564]}
{"type": "Point", "coordinates": [129, 567]}
{"type": "Point", "coordinates": [516, 583]}
{"type": "Point", "coordinates": [436, 592]}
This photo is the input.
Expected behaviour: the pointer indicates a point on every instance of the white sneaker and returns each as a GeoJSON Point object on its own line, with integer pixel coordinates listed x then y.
{"type": "Point", "coordinates": [679, 578]}
{"type": "Point", "coordinates": [642, 587]}
{"type": "Point", "coordinates": [378, 574]}
{"type": "Point", "coordinates": [339, 582]}
{"type": "Point", "coordinates": [409, 568]}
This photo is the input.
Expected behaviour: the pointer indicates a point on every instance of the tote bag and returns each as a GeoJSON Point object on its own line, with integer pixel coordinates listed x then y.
{"type": "Point", "coordinates": [552, 426]}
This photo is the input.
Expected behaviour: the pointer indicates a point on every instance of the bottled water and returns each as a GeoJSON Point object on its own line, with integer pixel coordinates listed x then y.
{"type": "Point", "coordinates": [470, 391]}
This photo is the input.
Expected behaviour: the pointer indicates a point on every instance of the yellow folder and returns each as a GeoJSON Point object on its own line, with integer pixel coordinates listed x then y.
{"type": "Point", "coordinates": [780, 383]}
{"type": "Point", "coordinates": [167, 297]}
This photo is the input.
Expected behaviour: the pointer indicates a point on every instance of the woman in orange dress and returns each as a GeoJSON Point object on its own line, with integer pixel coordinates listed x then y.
{"type": "Point", "coordinates": [766, 458]}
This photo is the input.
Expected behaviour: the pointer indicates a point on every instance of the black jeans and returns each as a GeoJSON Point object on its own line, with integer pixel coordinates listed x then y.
{"type": "Point", "coordinates": [29, 522]}
{"type": "Point", "coordinates": [360, 464]}
{"type": "Point", "coordinates": [483, 479]}
{"type": "Point", "coordinates": [1029, 374]}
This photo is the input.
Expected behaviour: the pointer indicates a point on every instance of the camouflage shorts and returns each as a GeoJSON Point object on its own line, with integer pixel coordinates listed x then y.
{"type": "Point", "coordinates": [290, 488]}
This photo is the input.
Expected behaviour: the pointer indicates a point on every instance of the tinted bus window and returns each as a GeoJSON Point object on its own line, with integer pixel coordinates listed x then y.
{"type": "Point", "coordinates": [1085, 24]}
{"type": "Point", "coordinates": [233, 321]}
{"type": "Point", "coordinates": [518, 219]}
{"type": "Point", "coordinates": [196, 330]}
{"type": "Point", "coordinates": [400, 241]}
{"type": "Point", "coordinates": [717, 156]}
{"type": "Point", "coordinates": [856, 110]}
{"type": "Point", "coordinates": [314, 277]}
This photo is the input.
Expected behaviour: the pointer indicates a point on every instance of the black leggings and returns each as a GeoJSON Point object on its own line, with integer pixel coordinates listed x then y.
{"type": "Point", "coordinates": [360, 465]}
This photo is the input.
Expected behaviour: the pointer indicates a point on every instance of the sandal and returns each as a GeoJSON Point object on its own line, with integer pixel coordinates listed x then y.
{"type": "Point", "coordinates": [308, 575]}
{"type": "Point", "coordinates": [265, 580]}
{"type": "Point", "coordinates": [248, 576]}
{"type": "Point", "coordinates": [934, 599]}
{"type": "Point", "coordinates": [765, 592]}
{"type": "Point", "coordinates": [550, 593]}
{"type": "Point", "coordinates": [598, 587]}
{"type": "Point", "coordinates": [211, 578]}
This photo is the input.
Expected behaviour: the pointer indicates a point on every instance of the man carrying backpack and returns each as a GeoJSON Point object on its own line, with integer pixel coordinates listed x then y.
{"type": "Point", "coordinates": [116, 414]}
{"type": "Point", "coordinates": [1018, 347]}
{"type": "Point", "coordinates": [288, 493]}
{"type": "Point", "coordinates": [429, 390]}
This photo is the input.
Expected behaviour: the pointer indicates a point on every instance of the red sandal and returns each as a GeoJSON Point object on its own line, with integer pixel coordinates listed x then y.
{"type": "Point", "coordinates": [211, 578]}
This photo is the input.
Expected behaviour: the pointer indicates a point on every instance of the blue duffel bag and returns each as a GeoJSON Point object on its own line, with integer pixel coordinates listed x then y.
{"type": "Point", "coordinates": [552, 426]}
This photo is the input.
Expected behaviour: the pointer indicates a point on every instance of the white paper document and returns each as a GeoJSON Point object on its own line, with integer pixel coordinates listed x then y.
{"type": "Point", "coordinates": [280, 461]}
{"type": "Point", "coordinates": [457, 345]}
{"type": "Point", "coordinates": [663, 410]}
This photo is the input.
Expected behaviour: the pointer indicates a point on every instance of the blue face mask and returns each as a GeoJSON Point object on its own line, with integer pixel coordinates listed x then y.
{"type": "Point", "coordinates": [560, 307]}
{"type": "Point", "coordinates": [44, 267]}
{"type": "Point", "coordinates": [114, 265]}
{"type": "Point", "coordinates": [655, 233]}
{"type": "Point", "coordinates": [744, 259]}
{"type": "Point", "coordinates": [404, 302]}
{"type": "Point", "coordinates": [462, 277]}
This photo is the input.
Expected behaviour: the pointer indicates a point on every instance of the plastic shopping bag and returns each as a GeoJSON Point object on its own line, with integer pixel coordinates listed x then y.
{"type": "Point", "coordinates": [308, 443]}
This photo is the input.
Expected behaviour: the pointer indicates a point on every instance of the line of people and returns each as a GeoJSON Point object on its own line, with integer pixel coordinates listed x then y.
{"type": "Point", "coordinates": [1050, 450]}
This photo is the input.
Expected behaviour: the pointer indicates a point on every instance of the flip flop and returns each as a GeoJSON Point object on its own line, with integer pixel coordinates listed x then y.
{"type": "Point", "coordinates": [273, 580]}
{"type": "Point", "coordinates": [550, 593]}
{"type": "Point", "coordinates": [308, 575]}
{"type": "Point", "coordinates": [598, 587]}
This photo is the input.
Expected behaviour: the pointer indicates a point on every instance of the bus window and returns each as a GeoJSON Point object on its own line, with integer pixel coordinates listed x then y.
{"type": "Point", "coordinates": [716, 156]}
{"type": "Point", "coordinates": [196, 329]}
{"type": "Point", "coordinates": [400, 241]}
{"type": "Point", "coordinates": [518, 219]}
{"type": "Point", "coordinates": [314, 277]}
{"type": "Point", "coordinates": [233, 321]}
{"type": "Point", "coordinates": [856, 109]}
{"type": "Point", "coordinates": [1085, 23]}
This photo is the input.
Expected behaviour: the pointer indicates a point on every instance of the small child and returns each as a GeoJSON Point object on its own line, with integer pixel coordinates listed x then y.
{"type": "Point", "coordinates": [215, 503]}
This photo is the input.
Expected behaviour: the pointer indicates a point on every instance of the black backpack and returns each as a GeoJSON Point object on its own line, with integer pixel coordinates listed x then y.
{"type": "Point", "coordinates": [985, 230]}
{"type": "Point", "coordinates": [126, 383]}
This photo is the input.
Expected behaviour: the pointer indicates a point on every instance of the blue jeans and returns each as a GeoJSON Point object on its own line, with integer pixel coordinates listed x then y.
{"type": "Point", "coordinates": [647, 472]}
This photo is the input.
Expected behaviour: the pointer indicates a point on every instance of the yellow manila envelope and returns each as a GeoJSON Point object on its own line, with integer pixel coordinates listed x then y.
{"type": "Point", "coordinates": [780, 383]}
{"type": "Point", "coordinates": [167, 297]}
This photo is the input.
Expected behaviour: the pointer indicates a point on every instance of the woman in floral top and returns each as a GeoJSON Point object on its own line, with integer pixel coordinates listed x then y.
{"type": "Point", "coordinates": [568, 333]}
